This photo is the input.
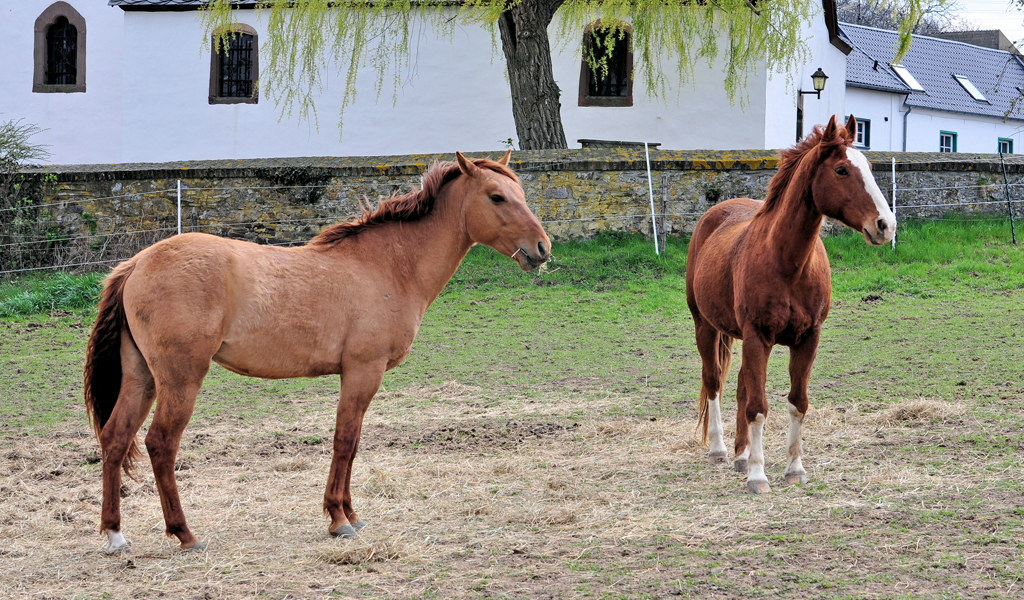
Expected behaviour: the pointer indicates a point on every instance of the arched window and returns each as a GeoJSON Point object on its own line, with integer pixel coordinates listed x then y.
{"type": "Point", "coordinates": [234, 67]}
{"type": "Point", "coordinates": [61, 53]}
{"type": "Point", "coordinates": [606, 73]}
{"type": "Point", "coordinates": [59, 50]}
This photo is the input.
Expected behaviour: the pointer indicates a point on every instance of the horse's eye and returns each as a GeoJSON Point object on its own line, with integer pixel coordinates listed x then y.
{"type": "Point", "coordinates": [842, 172]}
{"type": "Point", "coordinates": [497, 198]}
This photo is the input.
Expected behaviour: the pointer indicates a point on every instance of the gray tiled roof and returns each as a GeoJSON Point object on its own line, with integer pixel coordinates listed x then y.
{"type": "Point", "coordinates": [155, 3]}
{"type": "Point", "coordinates": [933, 61]}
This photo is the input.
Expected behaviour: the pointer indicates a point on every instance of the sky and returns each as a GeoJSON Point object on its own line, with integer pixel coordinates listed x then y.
{"type": "Point", "coordinates": [995, 14]}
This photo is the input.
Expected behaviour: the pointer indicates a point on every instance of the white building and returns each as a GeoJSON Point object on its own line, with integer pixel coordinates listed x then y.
{"type": "Point", "coordinates": [152, 93]}
{"type": "Point", "coordinates": [945, 96]}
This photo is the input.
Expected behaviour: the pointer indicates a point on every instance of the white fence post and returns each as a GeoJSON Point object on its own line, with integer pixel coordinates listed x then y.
{"type": "Point", "coordinates": [650, 189]}
{"type": "Point", "coordinates": [179, 207]}
{"type": "Point", "coordinates": [894, 198]}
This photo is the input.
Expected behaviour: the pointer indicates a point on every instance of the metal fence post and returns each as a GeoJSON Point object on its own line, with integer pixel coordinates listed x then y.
{"type": "Point", "coordinates": [894, 200]}
{"type": "Point", "coordinates": [179, 207]}
{"type": "Point", "coordinates": [1009, 200]}
{"type": "Point", "coordinates": [650, 189]}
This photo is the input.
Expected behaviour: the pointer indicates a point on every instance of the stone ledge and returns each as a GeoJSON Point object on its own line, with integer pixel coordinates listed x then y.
{"type": "Point", "coordinates": [596, 159]}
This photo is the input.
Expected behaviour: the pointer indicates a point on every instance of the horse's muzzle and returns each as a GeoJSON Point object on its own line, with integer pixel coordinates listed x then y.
{"type": "Point", "coordinates": [880, 232]}
{"type": "Point", "coordinates": [528, 261]}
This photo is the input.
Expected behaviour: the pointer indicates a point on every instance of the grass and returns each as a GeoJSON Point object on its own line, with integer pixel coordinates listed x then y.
{"type": "Point", "coordinates": [538, 440]}
{"type": "Point", "coordinates": [49, 293]}
{"type": "Point", "coordinates": [931, 257]}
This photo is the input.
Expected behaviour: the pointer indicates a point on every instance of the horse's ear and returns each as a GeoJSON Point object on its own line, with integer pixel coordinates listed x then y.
{"type": "Point", "coordinates": [466, 165]}
{"type": "Point", "coordinates": [851, 126]}
{"type": "Point", "coordinates": [830, 130]}
{"type": "Point", "coordinates": [504, 159]}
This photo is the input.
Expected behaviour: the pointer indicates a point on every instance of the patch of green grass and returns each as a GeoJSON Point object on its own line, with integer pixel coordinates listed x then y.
{"type": "Point", "coordinates": [608, 260]}
{"type": "Point", "coordinates": [47, 293]}
{"type": "Point", "coordinates": [931, 258]}
{"type": "Point", "coordinates": [608, 322]}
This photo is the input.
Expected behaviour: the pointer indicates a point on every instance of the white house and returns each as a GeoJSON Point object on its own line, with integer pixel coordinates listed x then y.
{"type": "Point", "coordinates": [944, 96]}
{"type": "Point", "coordinates": [144, 89]}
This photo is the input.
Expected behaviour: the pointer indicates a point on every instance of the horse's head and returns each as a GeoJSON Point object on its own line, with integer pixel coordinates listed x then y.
{"type": "Point", "coordinates": [496, 214]}
{"type": "Point", "coordinates": [845, 189]}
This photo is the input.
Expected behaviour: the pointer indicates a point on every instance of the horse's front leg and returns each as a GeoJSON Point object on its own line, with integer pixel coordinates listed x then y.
{"type": "Point", "coordinates": [801, 359]}
{"type": "Point", "coordinates": [359, 383]}
{"type": "Point", "coordinates": [753, 373]}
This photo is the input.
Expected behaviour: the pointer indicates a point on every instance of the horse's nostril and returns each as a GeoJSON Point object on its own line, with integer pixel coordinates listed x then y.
{"type": "Point", "coordinates": [882, 226]}
{"type": "Point", "coordinates": [541, 250]}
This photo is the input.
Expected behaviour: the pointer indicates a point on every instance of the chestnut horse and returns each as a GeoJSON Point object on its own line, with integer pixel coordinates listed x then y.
{"type": "Point", "coordinates": [349, 303]}
{"type": "Point", "coordinates": [758, 272]}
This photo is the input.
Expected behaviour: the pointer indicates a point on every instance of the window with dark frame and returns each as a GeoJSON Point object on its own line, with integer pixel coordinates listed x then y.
{"type": "Point", "coordinates": [1006, 145]}
{"type": "Point", "coordinates": [61, 53]}
{"type": "Point", "coordinates": [606, 73]}
{"type": "Point", "coordinates": [947, 141]}
{"type": "Point", "coordinates": [234, 68]}
{"type": "Point", "coordinates": [862, 137]}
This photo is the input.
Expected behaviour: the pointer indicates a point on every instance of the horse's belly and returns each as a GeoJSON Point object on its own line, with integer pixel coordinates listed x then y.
{"type": "Point", "coordinates": [714, 296]}
{"type": "Point", "coordinates": [280, 360]}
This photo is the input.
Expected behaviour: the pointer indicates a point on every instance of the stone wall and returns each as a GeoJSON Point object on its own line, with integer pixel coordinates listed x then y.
{"type": "Point", "coordinates": [111, 210]}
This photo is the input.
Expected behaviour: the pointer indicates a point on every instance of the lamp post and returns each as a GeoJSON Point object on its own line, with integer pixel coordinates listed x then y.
{"type": "Point", "coordinates": [818, 78]}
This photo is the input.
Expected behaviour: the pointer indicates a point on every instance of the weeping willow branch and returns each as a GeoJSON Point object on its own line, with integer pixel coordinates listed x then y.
{"type": "Point", "coordinates": [308, 40]}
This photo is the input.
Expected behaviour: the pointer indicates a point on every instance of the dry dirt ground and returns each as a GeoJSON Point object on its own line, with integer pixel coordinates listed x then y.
{"type": "Point", "coordinates": [916, 499]}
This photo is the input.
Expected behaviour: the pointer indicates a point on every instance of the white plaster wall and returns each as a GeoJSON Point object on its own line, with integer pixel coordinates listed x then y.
{"type": "Point", "coordinates": [885, 110]}
{"type": "Point", "coordinates": [781, 96]}
{"type": "Point", "coordinates": [82, 127]}
{"type": "Point", "coordinates": [692, 114]}
{"type": "Point", "coordinates": [974, 133]}
{"type": "Point", "coordinates": [454, 98]}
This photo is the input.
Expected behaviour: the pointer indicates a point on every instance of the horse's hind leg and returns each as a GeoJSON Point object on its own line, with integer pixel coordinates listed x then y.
{"type": "Point", "coordinates": [742, 448]}
{"type": "Point", "coordinates": [117, 439]}
{"type": "Point", "coordinates": [715, 353]}
{"type": "Point", "coordinates": [177, 384]}
{"type": "Point", "coordinates": [801, 359]}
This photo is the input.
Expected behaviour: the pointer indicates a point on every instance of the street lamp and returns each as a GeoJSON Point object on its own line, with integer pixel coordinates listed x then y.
{"type": "Point", "coordinates": [818, 78]}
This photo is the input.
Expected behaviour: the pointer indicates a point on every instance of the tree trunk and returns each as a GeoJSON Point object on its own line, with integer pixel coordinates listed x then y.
{"type": "Point", "coordinates": [535, 95]}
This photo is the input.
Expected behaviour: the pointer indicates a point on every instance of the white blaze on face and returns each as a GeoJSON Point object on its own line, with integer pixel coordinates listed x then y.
{"type": "Point", "coordinates": [860, 162]}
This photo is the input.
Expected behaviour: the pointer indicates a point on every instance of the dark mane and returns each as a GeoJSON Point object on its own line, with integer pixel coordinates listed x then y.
{"type": "Point", "coordinates": [789, 159]}
{"type": "Point", "coordinates": [407, 207]}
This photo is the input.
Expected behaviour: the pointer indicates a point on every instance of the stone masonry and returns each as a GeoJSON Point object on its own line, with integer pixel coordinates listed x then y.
{"type": "Point", "coordinates": [114, 210]}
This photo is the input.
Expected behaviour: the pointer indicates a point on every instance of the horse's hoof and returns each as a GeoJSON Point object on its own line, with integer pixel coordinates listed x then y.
{"type": "Point", "coordinates": [792, 478]}
{"type": "Point", "coordinates": [740, 465]}
{"type": "Point", "coordinates": [116, 544]}
{"type": "Point", "coordinates": [195, 548]}
{"type": "Point", "coordinates": [358, 525]}
{"type": "Point", "coordinates": [758, 487]}
{"type": "Point", "coordinates": [115, 550]}
{"type": "Point", "coordinates": [345, 531]}
{"type": "Point", "coordinates": [718, 458]}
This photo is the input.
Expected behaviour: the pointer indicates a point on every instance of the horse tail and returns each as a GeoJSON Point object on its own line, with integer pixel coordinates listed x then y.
{"type": "Point", "coordinates": [702, 414]}
{"type": "Point", "coordinates": [724, 361]}
{"type": "Point", "coordinates": [103, 358]}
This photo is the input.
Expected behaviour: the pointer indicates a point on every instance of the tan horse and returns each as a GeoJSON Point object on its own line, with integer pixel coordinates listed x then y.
{"type": "Point", "coordinates": [350, 303]}
{"type": "Point", "coordinates": [757, 271]}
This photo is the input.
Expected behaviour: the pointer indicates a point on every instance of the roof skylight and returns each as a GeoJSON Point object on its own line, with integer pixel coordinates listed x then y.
{"type": "Point", "coordinates": [907, 78]}
{"type": "Point", "coordinates": [967, 85]}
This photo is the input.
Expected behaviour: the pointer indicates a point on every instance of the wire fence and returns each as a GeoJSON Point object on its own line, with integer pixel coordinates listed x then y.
{"type": "Point", "coordinates": [79, 232]}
